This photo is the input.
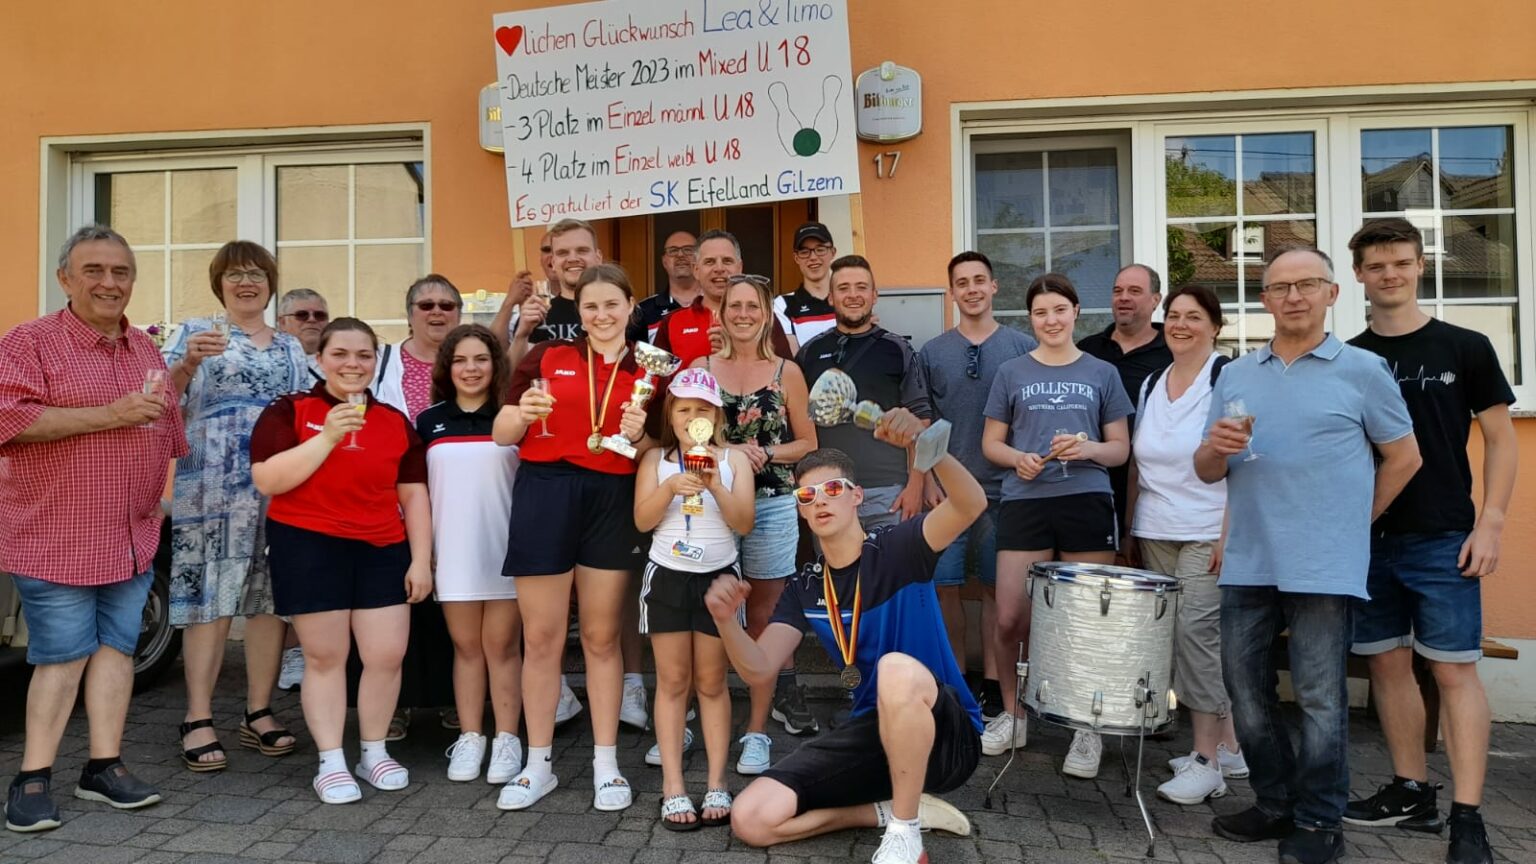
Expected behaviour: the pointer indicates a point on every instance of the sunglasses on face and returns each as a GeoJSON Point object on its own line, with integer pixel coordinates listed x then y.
{"type": "Point", "coordinates": [834, 488]}
{"type": "Point", "coordinates": [439, 305]}
{"type": "Point", "coordinates": [306, 315]}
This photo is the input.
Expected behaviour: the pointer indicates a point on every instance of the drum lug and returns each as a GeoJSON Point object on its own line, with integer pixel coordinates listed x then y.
{"type": "Point", "coordinates": [1104, 596]}
{"type": "Point", "coordinates": [1098, 705]}
{"type": "Point", "coordinates": [1050, 595]}
{"type": "Point", "coordinates": [1162, 603]}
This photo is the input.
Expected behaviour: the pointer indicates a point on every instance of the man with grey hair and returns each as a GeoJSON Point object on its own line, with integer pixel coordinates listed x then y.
{"type": "Point", "coordinates": [87, 442]}
{"type": "Point", "coordinates": [302, 313]}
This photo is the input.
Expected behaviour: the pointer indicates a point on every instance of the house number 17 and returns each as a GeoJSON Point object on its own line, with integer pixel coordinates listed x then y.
{"type": "Point", "coordinates": [891, 158]}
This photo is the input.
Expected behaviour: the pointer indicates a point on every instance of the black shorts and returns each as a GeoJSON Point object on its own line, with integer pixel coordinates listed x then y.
{"type": "Point", "coordinates": [846, 766]}
{"type": "Point", "coordinates": [1084, 522]}
{"type": "Point", "coordinates": [314, 572]}
{"type": "Point", "coordinates": [672, 601]}
{"type": "Point", "coordinates": [564, 516]}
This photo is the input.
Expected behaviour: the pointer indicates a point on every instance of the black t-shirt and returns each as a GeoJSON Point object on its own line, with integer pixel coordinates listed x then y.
{"type": "Point", "coordinates": [648, 315]}
{"type": "Point", "coordinates": [885, 370]}
{"type": "Point", "coordinates": [1134, 367]}
{"type": "Point", "coordinates": [1447, 374]}
{"type": "Point", "coordinates": [562, 322]}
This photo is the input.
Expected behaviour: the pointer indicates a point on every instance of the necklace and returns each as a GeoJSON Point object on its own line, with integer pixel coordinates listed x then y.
{"type": "Point", "coordinates": [595, 440]}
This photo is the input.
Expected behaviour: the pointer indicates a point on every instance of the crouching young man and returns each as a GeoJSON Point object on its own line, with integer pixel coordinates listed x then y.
{"type": "Point", "coordinates": [915, 727]}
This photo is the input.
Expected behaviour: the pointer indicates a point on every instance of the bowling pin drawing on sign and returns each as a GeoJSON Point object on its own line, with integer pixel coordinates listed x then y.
{"type": "Point", "coordinates": [796, 138]}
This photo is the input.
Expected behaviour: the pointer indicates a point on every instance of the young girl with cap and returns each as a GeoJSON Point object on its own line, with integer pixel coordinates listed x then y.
{"type": "Point", "coordinates": [696, 497]}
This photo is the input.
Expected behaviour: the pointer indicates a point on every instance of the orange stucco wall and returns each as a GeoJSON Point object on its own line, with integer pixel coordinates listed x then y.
{"type": "Point", "coordinates": [78, 67]}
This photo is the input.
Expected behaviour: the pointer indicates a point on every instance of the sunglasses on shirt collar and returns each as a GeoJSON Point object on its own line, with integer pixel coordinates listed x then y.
{"type": "Point", "coordinates": [973, 361]}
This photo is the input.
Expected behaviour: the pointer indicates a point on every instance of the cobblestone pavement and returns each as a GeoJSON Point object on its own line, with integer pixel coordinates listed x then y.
{"type": "Point", "coordinates": [262, 809]}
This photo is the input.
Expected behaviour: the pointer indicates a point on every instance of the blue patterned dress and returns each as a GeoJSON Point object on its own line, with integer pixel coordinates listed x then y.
{"type": "Point", "coordinates": [218, 543]}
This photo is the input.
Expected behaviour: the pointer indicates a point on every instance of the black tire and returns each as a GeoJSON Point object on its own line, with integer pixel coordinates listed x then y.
{"type": "Point", "coordinates": [159, 642]}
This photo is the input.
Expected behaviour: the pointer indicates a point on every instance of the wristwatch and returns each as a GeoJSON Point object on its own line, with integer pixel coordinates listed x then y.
{"type": "Point", "coordinates": [769, 451]}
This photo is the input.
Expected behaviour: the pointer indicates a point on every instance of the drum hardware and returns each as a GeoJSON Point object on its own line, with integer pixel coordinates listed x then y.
{"type": "Point", "coordinates": [1145, 699]}
{"type": "Point", "coordinates": [1104, 596]}
{"type": "Point", "coordinates": [1021, 673]}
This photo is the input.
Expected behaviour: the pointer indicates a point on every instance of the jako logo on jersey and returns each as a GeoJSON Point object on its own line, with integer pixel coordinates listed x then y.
{"type": "Point", "coordinates": [314, 426]}
{"type": "Point", "coordinates": [687, 330]}
{"type": "Point", "coordinates": [566, 373]}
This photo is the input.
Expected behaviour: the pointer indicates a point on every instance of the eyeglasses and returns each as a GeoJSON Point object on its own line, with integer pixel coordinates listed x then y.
{"type": "Point", "coordinates": [679, 251]}
{"type": "Point", "coordinates": [1304, 287]}
{"type": "Point", "coordinates": [255, 277]}
{"type": "Point", "coordinates": [813, 252]}
{"type": "Point", "coordinates": [544, 250]}
{"type": "Point", "coordinates": [749, 277]}
{"type": "Point", "coordinates": [973, 361]}
{"type": "Point", "coordinates": [834, 488]}
{"type": "Point", "coordinates": [439, 305]}
{"type": "Point", "coordinates": [306, 315]}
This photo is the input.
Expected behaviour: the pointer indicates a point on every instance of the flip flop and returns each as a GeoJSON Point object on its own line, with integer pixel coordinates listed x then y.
{"type": "Point", "coordinates": [678, 805]}
{"type": "Point", "coordinates": [716, 799]}
{"type": "Point", "coordinates": [523, 793]}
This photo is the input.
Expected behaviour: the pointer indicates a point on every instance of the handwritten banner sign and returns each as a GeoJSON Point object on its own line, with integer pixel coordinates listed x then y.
{"type": "Point", "coordinates": [633, 107]}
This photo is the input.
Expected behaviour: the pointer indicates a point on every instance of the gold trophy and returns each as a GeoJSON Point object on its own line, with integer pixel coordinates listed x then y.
{"type": "Point", "coordinates": [656, 363]}
{"type": "Point", "coordinates": [697, 461]}
{"type": "Point", "coordinates": [832, 404]}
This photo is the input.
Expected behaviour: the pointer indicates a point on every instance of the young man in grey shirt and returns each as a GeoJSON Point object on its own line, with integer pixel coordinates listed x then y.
{"type": "Point", "coordinates": [960, 365]}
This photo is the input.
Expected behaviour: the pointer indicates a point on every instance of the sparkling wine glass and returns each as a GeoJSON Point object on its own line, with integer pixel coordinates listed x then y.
{"type": "Point", "coordinates": [542, 385]}
{"type": "Point", "coordinates": [154, 385]}
{"type": "Point", "coordinates": [360, 402]}
{"type": "Point", "coordinates": [1065, 474]}
{"type": "Point", "coordinates": [1236, 410]}
{"type": "Point", "coordinates": [541, 290]}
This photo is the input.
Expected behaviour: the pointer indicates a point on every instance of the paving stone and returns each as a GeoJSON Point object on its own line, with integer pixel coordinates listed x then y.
{"type": "Point", "coordinates": [102, 827]}
{"type": "Point", "coordinates": [465, 850]}
{"type": "Point", "coordinates": [451, 823]}
{"type": "Point", "coordinates": [341, 847]}
{"type": "Point", "coordinates": [272, 851]}
{"type": "Point", "coordinates": [230, 809]}
{"type": "Point", "coordinates": [223, 839]}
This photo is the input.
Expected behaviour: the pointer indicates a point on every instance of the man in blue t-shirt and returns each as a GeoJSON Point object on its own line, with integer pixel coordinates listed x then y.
{"type": "Point", "coordinates": [869, 599]}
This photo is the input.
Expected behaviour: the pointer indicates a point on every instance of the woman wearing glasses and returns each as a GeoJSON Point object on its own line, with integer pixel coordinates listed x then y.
{"type": "Point", "coordinates": [404, 379]}
{"type": "Point", "coordinates": [573, 523]}
{"type": "Point", "coordinates": [218, 559]}
{"type": "Point", "coordinates": [1056, 418]}
{"type": "Point", "coordinates": [768, 421]}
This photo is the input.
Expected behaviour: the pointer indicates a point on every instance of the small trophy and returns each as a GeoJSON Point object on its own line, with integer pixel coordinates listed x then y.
{"type": "Point", "coordinates": [656, 363]}
{"type": "Point", "coordinates": [832, 404]}
{"type": "Point", "coordinates": [698, 460]}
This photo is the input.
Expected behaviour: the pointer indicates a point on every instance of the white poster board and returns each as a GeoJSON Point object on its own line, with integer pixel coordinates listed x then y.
{"type": "Point", "coordinates": [633, 107]}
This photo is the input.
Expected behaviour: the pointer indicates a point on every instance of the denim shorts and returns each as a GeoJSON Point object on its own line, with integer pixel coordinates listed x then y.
{"type": "Point", "coordinates": [980, 540]}
{"type": "Point", "coordinates": [1419, 599]}
{"type": "Point", "coordinates": [67, 622]}
{"type": "Point", "coordinates": [769, 551]}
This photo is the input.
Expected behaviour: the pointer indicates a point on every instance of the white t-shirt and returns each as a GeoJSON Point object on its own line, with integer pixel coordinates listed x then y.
{"type": "Point", "coordinates": [1171, 502]}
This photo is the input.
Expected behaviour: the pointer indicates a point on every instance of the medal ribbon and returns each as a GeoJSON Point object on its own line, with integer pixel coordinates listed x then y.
{"type": "Point", "coordinates": [687, 517]}
{"type": "Point", "coordinates": [847, 643]}
{"type": "Point", "coordinates": [597, 414]}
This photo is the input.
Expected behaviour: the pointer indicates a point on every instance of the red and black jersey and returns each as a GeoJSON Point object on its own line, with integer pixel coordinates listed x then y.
{"type": "Point", "coordinates": [685, 332]}
{"type": "Point", "coordinates": [564, 364]}
{"type": "Point", "coordinates": [353, 493]}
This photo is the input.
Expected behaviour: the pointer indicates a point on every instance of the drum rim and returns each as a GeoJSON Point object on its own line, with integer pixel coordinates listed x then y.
{"type": "Point", "coordinates": [1119, 578]}
{"type": "Point", "coordinates": [1106, 729]}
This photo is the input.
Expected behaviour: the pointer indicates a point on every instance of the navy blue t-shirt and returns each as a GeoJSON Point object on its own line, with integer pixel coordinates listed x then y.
{"type": "Point", "coordinates": [900, 611]}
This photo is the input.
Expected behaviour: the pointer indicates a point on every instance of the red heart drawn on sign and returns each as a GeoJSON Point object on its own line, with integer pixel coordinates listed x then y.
{"type": "Point", "coordinates": [509, 38]}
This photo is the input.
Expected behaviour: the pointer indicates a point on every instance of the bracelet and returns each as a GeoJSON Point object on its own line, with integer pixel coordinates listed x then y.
{"type": "Point", "coordinates": [769, 451]}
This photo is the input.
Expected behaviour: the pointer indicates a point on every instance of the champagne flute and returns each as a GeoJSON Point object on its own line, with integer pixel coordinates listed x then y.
{"type": "Point", "coordinates": [154, 385]}
{"type": "Point", "coordinates": [541, 290]}
{"type": "Point", "coordinates": [1065, 474]}
{"type": "Point", "coordinates": [221, 327]}
{"type": "Point", "coordinates": [542, 385]}
{"type": "Point", "coordinates": [1236, 410]}
{"type": "Point", "coordinates": [360, 402]}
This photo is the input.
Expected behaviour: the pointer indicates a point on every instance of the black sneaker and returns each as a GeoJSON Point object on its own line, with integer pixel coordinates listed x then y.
{"type": "Point", "coordinates": [30, 807]}
{"type": "Point", "coordinates": [789, 708]}
{"type": "Point", "coordinates": [1408, 804]}
{"type": "Point", "coordinates": [1469, 841]}
{"type": "Point", "coordinates": [1253, 825]}
{"type": "Point", "coordinates": [115, 787]}
{"type": "Point", "coordinates": [1311, 847]}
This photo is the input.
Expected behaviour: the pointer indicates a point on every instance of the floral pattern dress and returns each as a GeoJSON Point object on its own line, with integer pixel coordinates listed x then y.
{"type": "Point", "coordinates": [762, 418]}
{"type": "Point", "coordinates": [218, 536]}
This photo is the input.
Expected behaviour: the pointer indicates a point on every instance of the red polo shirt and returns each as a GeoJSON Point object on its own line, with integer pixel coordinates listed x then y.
{"type": "Point", "coordinates": [352, 494]}
{"type": "Point", "coordinates": [685, 332]}
{"type": "Point", "coordinates": [82, 510]}
{"type": "Point", "coordinates": [564, 363]}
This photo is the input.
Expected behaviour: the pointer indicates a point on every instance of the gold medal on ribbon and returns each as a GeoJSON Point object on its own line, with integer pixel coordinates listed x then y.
{"type": "Point", "coordinates": [847, 642]}
{"type": "Point", "coordinates": [595, 442]}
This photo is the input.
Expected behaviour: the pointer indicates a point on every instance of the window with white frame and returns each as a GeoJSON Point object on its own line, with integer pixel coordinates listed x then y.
{"type": "Point", "coordinates": [349, 223]}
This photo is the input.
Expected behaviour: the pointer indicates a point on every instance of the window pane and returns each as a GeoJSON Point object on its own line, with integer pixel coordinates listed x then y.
{"type": "Point", "coordinates": [1010, 190]}
{"type": "Point", "coordinates": [203, 206]}
{"type": "Point", "coordinates": [1085, 187]}
{"type": "Point", "coordinates": [322, 269]}
{"type": "Point", "coordinates": [1202, 175]}
{"type": "Point", "coordinates": [1279, 174]}
{"type": "Point", "coordinates": [1259, 326]}
{"type": "Point", "coordinates": [1090, 259]}
{"type": "Point", "coordinates": [753, 227]}
{"type": "Point", "coordinates": [1016, 259]}
{"type": "Point", "coordinates": [191, 293]}
{"type": "Point", "coordinates": [1202, 254]}
{"type": "Point", "coordinates": [389, 201]}
{"type": "Point", "coordinates": [1476, 167]}
{"type": "Point", "coordinates": [134, 205]}
{"type": "Point", "coordinates": [1479, 256]}
{"type": "Point", "coordinates": [312, 202]}
{"type": "Point", "coordinates": [1395, 170]}
{"type": "Point", "coordinates": [383, 275]}
{"type": "Point", "coordinates": [148, 303]}
{"type": "Point", "coordinates": [392, 334]}
{"type": "Point", "coordinates": [1498, 324]}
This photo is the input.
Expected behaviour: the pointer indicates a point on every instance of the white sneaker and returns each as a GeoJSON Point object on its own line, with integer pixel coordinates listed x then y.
{"type": "Point", "coordinates": [506, 759]}
{"type": "Point", "coordinates": [756, 750]}
{"type": "Point", "coordinates": [900, 846]}
{"type": "Point", "coordinates": [292, 671]}
{"type": "Point", "coordinates": [653, 755]}
{"type": "Point", "coordinates": [1196, 781]}
{"type": "Point", "coordinates": [996, 735]}
{"type": "Point", "coordinates": [632, 707]}
{"type": "Point", "coordinates": [1083, 758]}
{"type": "Point", "coordinates": [465, 756]}
{"type": "Point", "coordinates": [569, 705]}
{"type": "Point", "coordinates": [1233, 765]}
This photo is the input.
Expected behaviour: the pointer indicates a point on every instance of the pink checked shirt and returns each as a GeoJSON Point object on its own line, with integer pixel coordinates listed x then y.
{"type": "Point", "coordinates": [82, 510]}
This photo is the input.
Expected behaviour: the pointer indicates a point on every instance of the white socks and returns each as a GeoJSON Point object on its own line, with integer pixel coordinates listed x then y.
{"type": "Point", "coordinates": [633, 679]}
{"type": "Point", "coordinates": [332, 761]}
{"type": "Point", "coordinates": [605, 762]}
{"type": "Point", "coordinates": [539, 767]}
{"type": "Point", "coordinates": [374, 752]}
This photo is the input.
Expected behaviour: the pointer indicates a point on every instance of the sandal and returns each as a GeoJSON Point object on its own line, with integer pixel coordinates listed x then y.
{"type": "Point", "coordinates": [337, 787]}
{"type": "Point", "coordinates": [678, 805]}
{"type": "Point", "coordinates": [612, 794]}
{"type": "Point", "coordinates": [399, 725]}
{"type": "Point", "coordinates": [523, 793]}
{"type": "Point", "coordinates": [386, 775]}
{"type": "Point", "coordinates": [192, 757]}
{"type": "Point", "coordinates": [265, 742]}
{"type": "Point", "coordinates": [716, 799]}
